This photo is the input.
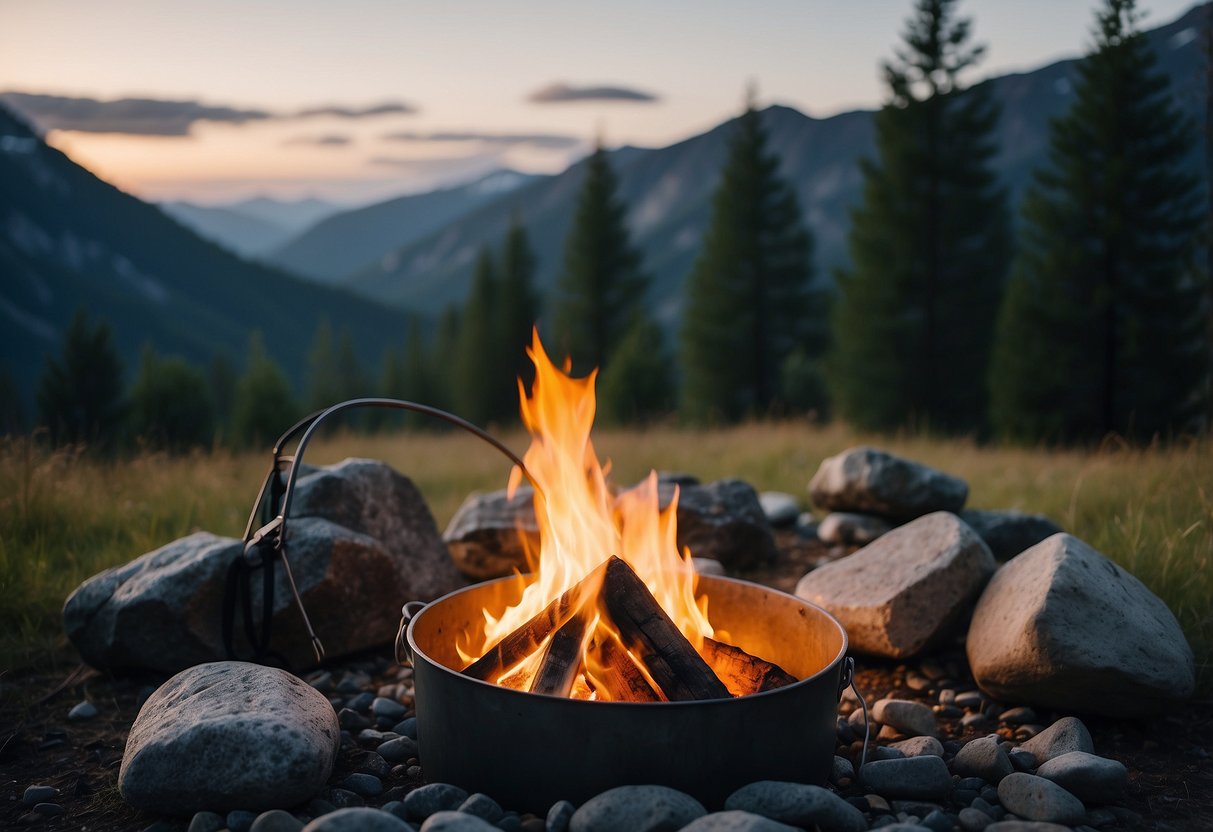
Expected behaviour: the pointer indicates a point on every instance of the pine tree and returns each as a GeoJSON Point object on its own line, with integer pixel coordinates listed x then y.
{"type": "Point", "coordinates": [601, 284]}
{"type": "Point", "coordinates": [929, 243]}
{"type": "Point", "coordinates": [443, 357]}
{"type": "Point", "coordinates": [264, 406]}
{"type": "Point", "coordinates": [638, 385]}
{"type": "Point", "coordinates": [748, 302]}
{"type": "Point", "coordinates": [170, 405]}
{"type": "Point", "coordinates": [80, 393]}
{"type": "Point", "coordinates": [221, 382]}
{"type": "Point", "coordinates": [518, 313]}
{"type": "Point", "coordinates": [1103, 326]}
{"type": "Point", "coordinates": [479, 363]}
{"type": "Point", "coordinates": [325, 384]}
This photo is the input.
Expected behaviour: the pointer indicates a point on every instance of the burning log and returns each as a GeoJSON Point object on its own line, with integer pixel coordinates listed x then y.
{"type": "Point", "coordinates": [741, 672]}
{"type": "Point", "coordinates": [681, 673]}
{"type": "Point", "coordinates": [562, 659]}
{"type": "Point", "coordinates": [525, 640]}
{"type": "Point", "coordinates": [623, 680]}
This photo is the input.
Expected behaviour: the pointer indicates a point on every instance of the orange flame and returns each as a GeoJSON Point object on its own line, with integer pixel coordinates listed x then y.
{"type": "Point", "coordinates": [582, 523]}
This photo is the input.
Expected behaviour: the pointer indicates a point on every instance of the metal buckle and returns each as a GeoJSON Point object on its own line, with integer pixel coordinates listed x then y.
{"type": "Point", "coordinates": [404, 656]}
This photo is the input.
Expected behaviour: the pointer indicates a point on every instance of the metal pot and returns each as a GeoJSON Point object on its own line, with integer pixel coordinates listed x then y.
{"type": "Point", "coordinates": [529, 750]}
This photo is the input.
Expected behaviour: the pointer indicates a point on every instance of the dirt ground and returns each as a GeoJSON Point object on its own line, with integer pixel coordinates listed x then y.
{"type": "Point", "coordinates": [1168, 758]}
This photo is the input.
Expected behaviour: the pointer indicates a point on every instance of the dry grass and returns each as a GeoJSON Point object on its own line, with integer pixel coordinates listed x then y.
{"type": "Point", "coordinates": [64, 517]}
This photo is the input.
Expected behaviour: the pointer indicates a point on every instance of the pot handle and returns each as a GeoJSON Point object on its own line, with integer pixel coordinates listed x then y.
{"type": "Point", "coordinates": [847, 679]}
{"type": "Point", "coordinates": [404, 656]}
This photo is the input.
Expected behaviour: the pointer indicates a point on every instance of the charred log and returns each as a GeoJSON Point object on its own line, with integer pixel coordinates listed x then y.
{"type": "Point", "coordinates": [562, 659]}
{"type": "Point", "coordinates": [741, 672]}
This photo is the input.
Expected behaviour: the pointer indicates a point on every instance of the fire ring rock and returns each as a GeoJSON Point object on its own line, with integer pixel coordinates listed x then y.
{"type": "Point", "coordinates": [163, 610]}
{"type": "Point", "coordinates": [1063, 627]}
{"type": "Point", "coordinates": [871, 481]}
{"type": "Point", "coordinates": [229, 735]}
{"type": "Point", "coordinates": [491, 533]}
{"type": "Point", "coordinates": [903, 592]}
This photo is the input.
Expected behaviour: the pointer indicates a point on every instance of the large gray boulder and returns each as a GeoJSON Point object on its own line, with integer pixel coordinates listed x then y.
{"type": "Point", "coordinates": [229, 735]}
{"type": "Point", "coordinates": [163, 610]}
{"type": "Point", "coordinates": [490, 534]}
{"type": "Point", "coordinates": [1063, 627]}
{"type": "Point", "coordinates": [908, 589]}
{"type": "Point", "coordinates": [1009, 532]}
{"type": "Point", "coordinates": [871, 481]}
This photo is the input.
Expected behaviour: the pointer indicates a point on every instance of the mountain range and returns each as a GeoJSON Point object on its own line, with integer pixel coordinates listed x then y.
{"type": "Point", "coordinates": [251, 227]}
{"type": "Point", "coordinates": [668, 192]}
{"type": "Point", "coordinates": [69, 240]}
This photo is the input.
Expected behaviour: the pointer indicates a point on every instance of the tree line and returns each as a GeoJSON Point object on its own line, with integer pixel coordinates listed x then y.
{"type": "Point", "coordinates": [1082, 312]}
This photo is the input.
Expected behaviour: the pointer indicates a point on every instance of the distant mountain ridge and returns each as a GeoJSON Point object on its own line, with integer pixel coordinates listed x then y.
{"type": "Point", "coordinates": [668, 190]}
{"type": "Point", "coordinates": [354, 240]}
{"type": "Point", "coordinates": [68, 240]}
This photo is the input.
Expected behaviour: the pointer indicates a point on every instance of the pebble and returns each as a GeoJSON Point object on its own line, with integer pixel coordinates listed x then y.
{"type": "Point", "coordinates": [559, 815]}
{"type": "Point", "coordinates": [406, 727]}
{"type": "Point", "coordinates": [780, 509]}
{"type": "Point", "coordinates": [351, 720]}
{"type": "Point", "coordinates": [973, 820]}
{"type": "Point", "coordinates": [322, 681]}
{"type": "Point", "coordinates": [362, 702]}
{"type": "Point", "coordinates": [365, 785]}
{"type": "Point", "coordinates": [483, 807]}
{"type": "Point", "coordinates": [276, 820]}
{"type": "Point", "coordinates": [318, 806]}
{"type": "Point", "coordinates": [969, 699]}
{"type": "Point", "coordinates": [1063, 736]}
{"type": "Point", "coordinates": [797, 804]}
{"type": "Point", "coordinates": [885, 752]}
{"type": "Point", "coordinates": [919, 746]}
{"type": "Point", "coordinates": [1025, 826]}
{"type": "Point", "coordinates": [84, 711]}
{"type": "Point", "coordinates": [533, 825]}
{"type": "Point", "coordinates": [937, 821]}
{"type": "Point", "coordinates": [878, 804]}
{"type": "Point", "coordinates": [206, 822]}
{"type": "Point", "coordinates": [914, 777]}
{"type": "Point", "coordinates": [984, 758]}
{"type": "Point", "coordinates": [1022, 760]}
{"type": "Point", "coordinates": [358, 819]}
{"type": "Point", "coordinates": [34, 795]}
{"type": "Point", "coordinates": [912, 718]}
{"type": "Point", "coordinates": [1018, 716]}
{"type": "Point", "coordinates": [637, 809]}
{"type": "Point", "coordinates": [388, 709]}
{"type": "Point", "coordinates": [916, 681]}
{"type": "Point", "coordinates": [48, 810]}
{"type": "Point", "coordinates": [947, 696]}
{"type": "Point", "coordinates": [370, 762]}
{"type": "Point", "coordinates": [977, 718]}
{"type": "Point", "coordinates": [240, 820]}
{"type": "Point", "coordinates": [448, 821]}
{"type": "Point", "coordinates": [510, 823]}
{"type": "Point", "coordinates": [422, 802]}
{"type": "Point", "coordinates": [1036, 798]}
{"type": "Point", "coordinates": [736, 820]}
{"type": "Point", "coordinates": [1090, 778]}
{"type": "Point", "coordinates": [398, 750]}
{"type": "Point", "coordinates": [841, 769]}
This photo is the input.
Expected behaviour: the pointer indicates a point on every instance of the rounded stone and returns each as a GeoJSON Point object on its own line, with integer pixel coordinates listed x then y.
{"type": "Point", "coordinates": [240, 820]}
{"type": "Point", "coordinates": [1063, 736]}
{"type": "Point", "coordinates": [33, 795]}
{"type": "Point", "coordinates": [48, 810]}
{"type": "Point", "coordinates": [797, 804]}
{"type": "Point", "coordinates": [207, 822]}
{"type": "Point", "coordinates": [357, 819]}
{"type": "Point", "coordinates": [735, 820]}
{"type": "Point", "coordinates": [276, 820]}
{"type": "Point", "coordinates": [83, 711]}
{"type": "Point", "coordinates": [984, 758]}
{"type": "Point", "coordinates": [559, 815]}
{"type": "Point", "coordinates": [919, 778]}
{"type": "Point", "coordinates": [364, 785]}
{"type": "Point", "coordinates": [973, 820]}
{"type": "Point", "coordinates": [636, 809]}
{"type": "Point", "coordinates": [422, 802]}
{"type": "Point", "coordinates": [911, 718]}
{"type": "Point", "coordinates": [450, 821]}
{"type": "Point", "coordinates": [1036, 798]}
{"type": "Point", "coordinates": [398, 750]}
{"type": "Point", "coordinates": [1090, 778]}
{"type": "Point", "coordinates": [229, 735]}
{"type": "Point", "coordinates": [920, 747]}
{"type": "Point", "coordinates": [483, 807]}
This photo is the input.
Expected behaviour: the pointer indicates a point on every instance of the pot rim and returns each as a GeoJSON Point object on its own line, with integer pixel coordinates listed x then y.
{"type": "Point", "coordinates": [418, 653]}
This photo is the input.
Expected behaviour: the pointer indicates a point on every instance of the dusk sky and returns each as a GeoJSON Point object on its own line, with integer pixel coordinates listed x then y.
{"type": "Point", "coordinates": [366, 99]}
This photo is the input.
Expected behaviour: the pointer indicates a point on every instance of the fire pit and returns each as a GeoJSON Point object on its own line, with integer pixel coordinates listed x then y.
{"type": "Point", "coordinates": [612, 663]}
{"type": "Point", "coordinates": [529, 750]}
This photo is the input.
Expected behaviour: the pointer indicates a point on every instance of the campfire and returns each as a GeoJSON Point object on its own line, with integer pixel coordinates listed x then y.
{"type": "Point", "coordinates": [610, 610]}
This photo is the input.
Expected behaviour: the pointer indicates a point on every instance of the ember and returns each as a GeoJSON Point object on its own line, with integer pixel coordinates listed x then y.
{"type": "Point", "coordinates": [612, 613]}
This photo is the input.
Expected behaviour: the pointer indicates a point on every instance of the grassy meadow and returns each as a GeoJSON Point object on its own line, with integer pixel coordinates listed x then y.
{"type": "Point", "coordinates": [64, 517]}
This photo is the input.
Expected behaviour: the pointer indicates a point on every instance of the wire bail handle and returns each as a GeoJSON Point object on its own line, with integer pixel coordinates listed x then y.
{"type": "Point", "coordinates": [265, 544]}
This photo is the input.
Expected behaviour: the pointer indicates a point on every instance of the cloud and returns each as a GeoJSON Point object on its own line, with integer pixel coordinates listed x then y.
{"type": "Point", "coordinates": [560, 93]}
{"type": "Point", "coordinates": [548, 141]}
{"type": "Point", "coordinates": [326, 140]}
{"type": "Point", "coordinates": [160, 117]}
{"type": "Point", "coordinates": [386, 109]}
